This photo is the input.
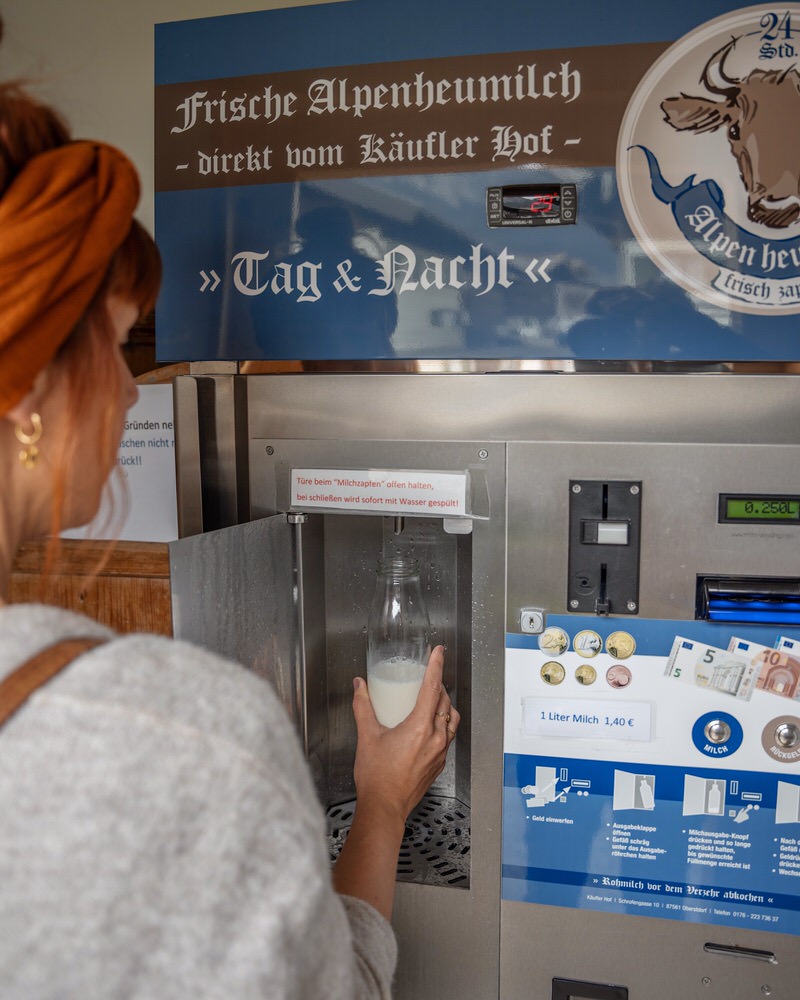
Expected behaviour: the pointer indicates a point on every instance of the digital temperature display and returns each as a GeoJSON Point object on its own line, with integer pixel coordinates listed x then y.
{"type": "Point", "coordinates": [532, 205]}
{"type": "Point", "coordinates": [747, 508]}
{"type": "Point", "coordinates": [544, 204]}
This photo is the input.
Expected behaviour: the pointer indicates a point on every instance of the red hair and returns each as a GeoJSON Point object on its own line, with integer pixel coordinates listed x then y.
{"type": "Point", "coordinates": [89, 356]}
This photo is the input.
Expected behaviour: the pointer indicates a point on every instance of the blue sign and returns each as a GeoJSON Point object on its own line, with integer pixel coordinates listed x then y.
{"type": "Point", "coordinates": [587, 852]}
{"type": "Point", "coordinates": [642, 772]}
{"type": "Point", "coordinates": [356, 182]}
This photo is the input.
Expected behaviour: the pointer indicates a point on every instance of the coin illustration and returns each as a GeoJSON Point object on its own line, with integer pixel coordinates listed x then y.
{"type": "Point", "coordinates": [620, 645]}
{"type": "Point", "coordinates": [618, 676]}
{"type": "Point", "coordinates": [587, 643]}
{"type": "Point", "coordinates": [552, 672]}
{"type": "Point", "coordinates": [554, 641]}
{"type": "Point", "coordinates": [585, 674]}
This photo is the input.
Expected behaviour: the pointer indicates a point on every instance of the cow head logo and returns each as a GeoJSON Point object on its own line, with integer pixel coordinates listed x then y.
{"type": "Point", "coordinates": [760, 116]}
{"type": "Point", "coordinates": [708, 162]}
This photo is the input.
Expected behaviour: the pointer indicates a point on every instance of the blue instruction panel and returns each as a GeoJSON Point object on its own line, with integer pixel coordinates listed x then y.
{"type": "Point", "coordinates": [650, 770]}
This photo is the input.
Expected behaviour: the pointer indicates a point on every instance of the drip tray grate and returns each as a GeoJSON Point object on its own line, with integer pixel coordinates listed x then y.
{"type": "Point", "coordinates": [436, 845]}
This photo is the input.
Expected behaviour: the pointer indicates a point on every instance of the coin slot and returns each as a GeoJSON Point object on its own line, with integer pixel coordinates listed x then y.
{"type": "Point", "coordinates": [604, 536]}
{"type": "Point", "coordinates": [601, 605]}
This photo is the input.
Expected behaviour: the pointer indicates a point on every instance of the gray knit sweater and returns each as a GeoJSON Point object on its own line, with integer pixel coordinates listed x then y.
{"type": "Point", "coordinates": [160, 836]}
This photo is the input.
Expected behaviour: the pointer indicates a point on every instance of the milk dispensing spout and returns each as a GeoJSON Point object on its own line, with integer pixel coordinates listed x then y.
{"type": "Point", "coordinates": [398, 639]}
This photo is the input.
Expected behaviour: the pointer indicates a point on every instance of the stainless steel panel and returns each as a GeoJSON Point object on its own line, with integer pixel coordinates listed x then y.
{"type": "Point", "coordinates": [680, 537]}
{"type": "Point", "coordinates": [686, 437]}
{"type": "Point", "coordinates": [464, 580]}
{"type": "Point", "coordinates": [232, 593]}
{"type": "Point", "coordinates": [212, 481]}
{"type": "Point", "coordinates": [703, 409]}
{"type": "Point", "coordinates": [352, 546]}
{"type": "Point", "coordinates": [655, 959]}
{"type": "Point", "coordinates": [188, 468]}
{"type": "Point", "coordinates": [308, 640]}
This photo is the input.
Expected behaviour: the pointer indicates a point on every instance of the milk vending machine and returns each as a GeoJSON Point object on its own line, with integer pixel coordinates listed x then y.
{"type": "Point", "coordinates": [542, 271]}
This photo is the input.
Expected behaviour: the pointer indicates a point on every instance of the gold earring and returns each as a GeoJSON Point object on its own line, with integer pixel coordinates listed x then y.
{"type": "Point", "coordinates": [30, 453]}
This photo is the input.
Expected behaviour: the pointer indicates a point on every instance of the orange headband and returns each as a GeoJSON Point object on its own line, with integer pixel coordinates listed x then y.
{"type": "Point", "coordinates": [61, 220]}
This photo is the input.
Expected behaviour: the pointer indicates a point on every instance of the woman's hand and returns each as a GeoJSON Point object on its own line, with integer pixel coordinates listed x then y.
{"type": "Point", "coordinates": [393, 770]}
{"type": "Point", "coordinates": [396, 766]}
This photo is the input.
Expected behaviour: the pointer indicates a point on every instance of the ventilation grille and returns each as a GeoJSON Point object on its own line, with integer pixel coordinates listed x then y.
{"type": "Point", "coordinates": [436, 845]}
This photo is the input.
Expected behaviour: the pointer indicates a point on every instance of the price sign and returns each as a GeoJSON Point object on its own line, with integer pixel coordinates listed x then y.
{"type": "Point", "coordinates": [579, 717]}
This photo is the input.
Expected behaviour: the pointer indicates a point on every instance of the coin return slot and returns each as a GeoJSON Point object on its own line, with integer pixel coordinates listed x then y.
{"type": "Point", "coordinates": [573, 989]}
{"type": "Point", "coordinates": [734, 951]}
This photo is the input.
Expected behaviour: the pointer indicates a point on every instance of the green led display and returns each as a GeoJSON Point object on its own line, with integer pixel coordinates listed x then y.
{"type": "Point", "coordinates": [764, 508]}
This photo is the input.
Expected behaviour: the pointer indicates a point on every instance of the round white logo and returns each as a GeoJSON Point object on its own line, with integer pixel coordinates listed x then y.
{"type": "Point", "coordinates": [708, 161]}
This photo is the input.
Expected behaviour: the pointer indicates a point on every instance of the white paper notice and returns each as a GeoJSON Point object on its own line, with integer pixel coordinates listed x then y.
{"type": "Point", "coordinates": [146, 459]}
{"type": "Point", "coordinates": [386, 490]}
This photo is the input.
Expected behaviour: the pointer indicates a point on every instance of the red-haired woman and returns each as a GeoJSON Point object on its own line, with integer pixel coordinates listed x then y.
{"type": "Point", "coordinates": [159, 832]}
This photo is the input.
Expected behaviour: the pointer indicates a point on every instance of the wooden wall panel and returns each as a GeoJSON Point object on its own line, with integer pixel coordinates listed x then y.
{"type": "Point", "coordinates": [130, 593]}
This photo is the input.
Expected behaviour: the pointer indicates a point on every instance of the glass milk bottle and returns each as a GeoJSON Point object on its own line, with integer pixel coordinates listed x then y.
{"type": "Point", "coordinates": [398, 639]}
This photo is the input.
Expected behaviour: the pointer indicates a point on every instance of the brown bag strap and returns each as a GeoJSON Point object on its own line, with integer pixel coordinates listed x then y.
{"type": "Point", "coordinates": [19, 685]}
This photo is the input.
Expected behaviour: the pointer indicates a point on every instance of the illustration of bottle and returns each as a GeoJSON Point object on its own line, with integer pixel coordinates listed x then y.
{"type": "Point", "coordinates": [398, 639]}
{"type": "Point", "coordinates": [714, 800]}
{"type": "Point", "coordinates": [646, 794]}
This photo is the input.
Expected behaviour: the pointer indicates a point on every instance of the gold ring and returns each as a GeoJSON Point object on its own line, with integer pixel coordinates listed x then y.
{"type": "Point", "coordinates": [440, 715]}
{"type": "Point", "coordinates": [451, 731]}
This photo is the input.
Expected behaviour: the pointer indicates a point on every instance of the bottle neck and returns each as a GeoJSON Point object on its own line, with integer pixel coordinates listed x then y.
{"type": "Point", "coordinates": [398, 567]}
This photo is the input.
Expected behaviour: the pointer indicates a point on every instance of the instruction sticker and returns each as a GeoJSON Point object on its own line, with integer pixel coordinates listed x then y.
{"type": "Point", "coordinates": [604, 720]}
{"type": "Point", "coordinates": [699, 823]}
{"type": "Point", "coordinates": [388, 491]}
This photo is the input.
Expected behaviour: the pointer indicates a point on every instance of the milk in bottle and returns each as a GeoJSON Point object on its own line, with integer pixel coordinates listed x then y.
{"type": "Point", "coordinates": [398, 639]}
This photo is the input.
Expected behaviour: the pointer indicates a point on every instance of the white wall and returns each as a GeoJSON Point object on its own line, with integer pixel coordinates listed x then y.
{"type": "Point", "coordinates": [93, 60]}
